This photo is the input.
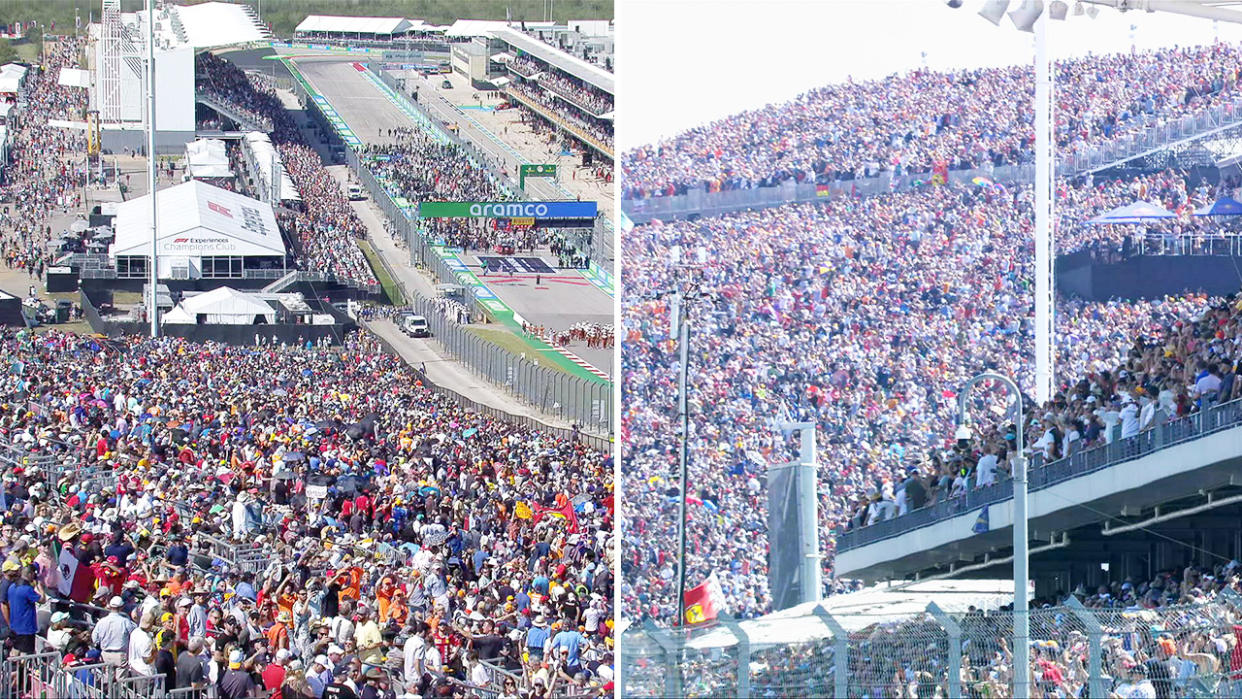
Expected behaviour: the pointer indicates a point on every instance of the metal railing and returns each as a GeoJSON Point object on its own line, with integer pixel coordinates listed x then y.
{"type": "Point", "coordinates": [1041, 475]}
{"type": "Point", "coordinates": [933, 653]}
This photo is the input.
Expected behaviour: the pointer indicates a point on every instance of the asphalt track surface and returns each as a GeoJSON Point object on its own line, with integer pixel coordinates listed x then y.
{"type": "Point", "coordinates": [557, 302]}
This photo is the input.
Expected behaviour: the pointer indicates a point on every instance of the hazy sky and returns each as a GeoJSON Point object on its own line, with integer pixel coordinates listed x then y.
{"type": "Point", "coordinates": [688, 62]}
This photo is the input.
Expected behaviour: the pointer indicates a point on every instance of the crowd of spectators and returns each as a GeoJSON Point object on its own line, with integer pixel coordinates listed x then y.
{"type": "Point", "coordinates": [596, 101]}
{"type": "Point", "coordinates": [43, 174]}
{"type": "Point", "coordinates": [324, 226]}
{"type": "Point", "coordinates": [927, 120]}
{"type": "Point", "coordinates": [293, 522]}
{"type": "Point", "coordinates": [864, 316]}
{"type": "Point", "coordinates": [600, 129]}
{"type": "Point", "coordinates": [423, 167]}
{"type": "Point", "coordinates": [593, 335]}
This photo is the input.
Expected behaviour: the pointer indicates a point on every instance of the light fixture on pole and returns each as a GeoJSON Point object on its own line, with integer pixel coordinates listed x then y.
{"type": "Point", "coordinates": [1027, 13]}
{"type": "Point", "coordinates": [994, 10]}
{"type": "Point", "coordinates": [1021, 540]}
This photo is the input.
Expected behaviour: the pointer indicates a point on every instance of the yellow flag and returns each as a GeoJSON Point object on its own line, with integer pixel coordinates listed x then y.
{"type": "Point", "coordinates": [522, 511]}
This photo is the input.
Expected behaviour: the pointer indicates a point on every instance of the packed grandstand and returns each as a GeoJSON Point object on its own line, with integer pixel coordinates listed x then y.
{"type": "Point", "coordinates": [865, 314]}
{"type": "Point", "coordinates": [299, 521]}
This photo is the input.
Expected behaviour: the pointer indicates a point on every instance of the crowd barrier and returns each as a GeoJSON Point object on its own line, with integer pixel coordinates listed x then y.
{"type": "Point", "coordinates": [1075, 651]}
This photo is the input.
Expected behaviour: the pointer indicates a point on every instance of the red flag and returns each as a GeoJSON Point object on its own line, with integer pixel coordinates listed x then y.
{"type": "Point", "coordinates": [705, 602]}
{"type": "Point", "coordinates": [565, 512]}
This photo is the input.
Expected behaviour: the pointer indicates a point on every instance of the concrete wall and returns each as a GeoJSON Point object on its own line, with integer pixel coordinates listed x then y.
{"type": "Point", "coordinates": [1147, 276]}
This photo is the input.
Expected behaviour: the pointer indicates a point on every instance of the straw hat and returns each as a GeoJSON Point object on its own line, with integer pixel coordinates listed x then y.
{"type": "Point", "coordinates": [69, 531]}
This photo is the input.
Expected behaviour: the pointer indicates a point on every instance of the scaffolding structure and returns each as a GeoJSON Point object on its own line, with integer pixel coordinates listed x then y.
{"type": "Point", "coordinates": [109, 81]}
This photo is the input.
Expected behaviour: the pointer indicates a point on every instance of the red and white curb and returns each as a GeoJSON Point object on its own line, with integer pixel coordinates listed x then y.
{"type": "Point", "coordinates": [575, 358]}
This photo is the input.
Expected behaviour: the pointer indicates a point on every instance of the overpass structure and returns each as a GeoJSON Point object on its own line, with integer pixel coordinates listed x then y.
{"type": "Point", "coordinates": [1169, 496]}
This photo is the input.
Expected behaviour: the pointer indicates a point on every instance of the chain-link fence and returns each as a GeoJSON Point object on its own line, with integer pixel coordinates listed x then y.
{"type": "Point", "coordinates": [1191, 650]}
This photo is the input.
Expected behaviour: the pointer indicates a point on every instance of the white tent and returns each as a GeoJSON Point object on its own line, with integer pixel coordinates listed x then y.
{"type": "Point", "coordinates": [221, 306]}
{"type": "Point", "coordinates": [338, 24]}
{"type": "Point", "coordinates": [265, 155]}
{"type": "Point", "coordinates": [207, 158]}
{"type": "Point", "coordinates": [200, 226]}
{"type": "Point", "coordinates": [74, 77]}
{"type": "Point", "coordinates": [12, 75]}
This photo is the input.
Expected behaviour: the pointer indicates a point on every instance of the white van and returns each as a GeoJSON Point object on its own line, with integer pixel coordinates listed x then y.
{"type": "Point", "coordinates": [356, 193]}
{"type": "Point", "coordinates": [416, 326]}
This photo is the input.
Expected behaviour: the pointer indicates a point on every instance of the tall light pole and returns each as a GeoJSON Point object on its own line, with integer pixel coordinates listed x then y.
{"type": "Point", "coordinates": [1021, 550]}
{"type": "Point", "coordinates": [1045, 170]}
{"type": "Point", "coordinates": [680, 320]}
{"type": "Point", "coordinates": [154, 309]}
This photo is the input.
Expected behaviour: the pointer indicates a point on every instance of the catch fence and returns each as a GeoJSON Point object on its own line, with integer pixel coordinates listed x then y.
{"type": "Point", "coordinates": [562, 395]}
{"type": "Point", "coordinates": [1075, 651]}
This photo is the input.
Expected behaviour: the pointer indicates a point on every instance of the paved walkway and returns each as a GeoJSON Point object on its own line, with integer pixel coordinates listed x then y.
{"type": "Point", "coordinates": [425, 353]}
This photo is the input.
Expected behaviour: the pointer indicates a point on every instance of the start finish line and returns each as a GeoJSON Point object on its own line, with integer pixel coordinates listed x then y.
{"type": "Point", "coordinates": [509, 209]}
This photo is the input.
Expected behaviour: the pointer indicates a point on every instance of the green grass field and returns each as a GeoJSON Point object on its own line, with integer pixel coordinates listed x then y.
{"type": "Point", "coordinates": [284, 15]}
{"type": "Point", "coordinates": [514, 344]}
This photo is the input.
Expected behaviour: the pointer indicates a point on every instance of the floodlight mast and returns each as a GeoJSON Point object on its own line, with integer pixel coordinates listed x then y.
{"type": "Point", "coordinates": [1207, 9]}
{"type": "Point", "coordinates": [154, 310]}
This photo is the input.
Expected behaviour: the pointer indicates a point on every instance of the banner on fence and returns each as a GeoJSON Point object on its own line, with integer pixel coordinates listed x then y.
{"type": "Point", "coordinates": [508, 209]}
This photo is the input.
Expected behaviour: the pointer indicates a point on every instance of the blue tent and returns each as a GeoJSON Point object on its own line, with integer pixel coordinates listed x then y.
{"type": "Point", "coordinates": [1226, 206]}
{"type": "Point", "coordinates": [1138, 212]}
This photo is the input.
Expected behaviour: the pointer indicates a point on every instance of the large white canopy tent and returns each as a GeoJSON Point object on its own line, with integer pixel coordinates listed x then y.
{"type": "Point", "coordinates": [207, 157]}
{"type": "Point", "coordinates": [204, 232]}
{"type": "Point", "coordinates": [221, 306]}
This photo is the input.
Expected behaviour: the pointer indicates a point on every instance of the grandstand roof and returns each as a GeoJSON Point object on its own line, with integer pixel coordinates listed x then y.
{"type": "Point", "coordinates": [356, 25]}
{"type": "Point", "coordinates": [485, 27]}
{"type": "Point", "coordinates": [570, 64]}
{"type": "Point", "coordinates": [879, 604]}
{"type": "Point", "coordinates": [211, 24]}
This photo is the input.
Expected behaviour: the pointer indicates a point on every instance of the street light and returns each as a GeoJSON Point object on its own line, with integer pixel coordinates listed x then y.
{"type": "Point", "coordinates": [1021, 550]}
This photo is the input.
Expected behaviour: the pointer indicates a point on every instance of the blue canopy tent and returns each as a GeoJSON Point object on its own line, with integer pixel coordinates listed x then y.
{"type": "Point", "coordinates": [1138, 212]}
{"type": "Point", "coordinates": [1226, 206]}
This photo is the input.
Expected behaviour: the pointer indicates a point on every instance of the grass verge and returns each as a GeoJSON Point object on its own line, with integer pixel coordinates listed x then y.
{"type": "Point", "coordinates": [387, 283]}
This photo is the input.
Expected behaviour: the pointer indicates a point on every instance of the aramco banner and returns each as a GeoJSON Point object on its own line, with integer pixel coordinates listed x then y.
{"type": "Point", "coordinates": [507, 209]}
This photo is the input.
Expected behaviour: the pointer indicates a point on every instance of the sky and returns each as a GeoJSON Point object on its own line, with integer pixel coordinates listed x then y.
{"type": "Point", "coordinates": [688, 62]}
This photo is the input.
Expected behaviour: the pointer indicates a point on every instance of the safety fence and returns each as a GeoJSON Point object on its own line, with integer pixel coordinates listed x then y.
{"type": "Point", "coordinates": [1187, 650]}
{"type": "Point", "coordinates": [587, 404]}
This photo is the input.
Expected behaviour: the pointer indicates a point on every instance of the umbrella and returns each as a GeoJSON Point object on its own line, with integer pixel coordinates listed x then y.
{"type": "Point", "coordinates": [470, 432]}
{"type": "Point", "coordinates": [79, 226]}
{"type": "Point", "coordinates": [1226, 206]}
{"type": "Point", "coordinates": [294, 456]}
{"type": "Point", "coordinates": [285, 476]}
{"type": "Point", "coordinates": [982, 181]}
{"type": "Point", "coordinates": [1138, 212]}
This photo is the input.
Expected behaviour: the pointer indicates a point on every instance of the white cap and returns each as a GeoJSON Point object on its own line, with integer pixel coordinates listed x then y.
{"type": "Point", "coordinates": [116, 603]}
